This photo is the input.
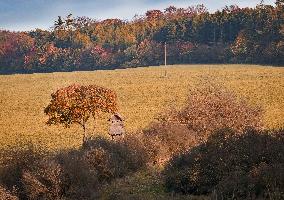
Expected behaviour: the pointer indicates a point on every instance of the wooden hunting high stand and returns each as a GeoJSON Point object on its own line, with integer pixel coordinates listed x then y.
{"type": "Point", "coordinates": [116, 129]}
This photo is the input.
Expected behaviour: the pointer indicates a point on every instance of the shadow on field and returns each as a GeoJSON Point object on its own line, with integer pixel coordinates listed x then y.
{"type": "Point", "coordinates": [231, 166]}
{"type": "Point", "coordinates": [76, 174]}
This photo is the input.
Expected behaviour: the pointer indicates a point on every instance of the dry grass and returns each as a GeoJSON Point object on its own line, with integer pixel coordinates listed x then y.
{"type": "Point", "coordinates": [143, 93]}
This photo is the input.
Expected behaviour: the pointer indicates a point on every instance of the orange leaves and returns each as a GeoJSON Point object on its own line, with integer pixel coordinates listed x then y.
{"type": "Point", "coordinates": [76, 104]}
{"type": "Point", "coordinates": [153, 14]}
{"type": "Point", "coordinates": [240, 45]}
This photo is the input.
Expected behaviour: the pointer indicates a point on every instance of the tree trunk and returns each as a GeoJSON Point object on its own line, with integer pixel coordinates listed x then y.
{"type": "Point", "coordinates": [85, 134]}
{"type": "Point", "coordinates": [94, 127]}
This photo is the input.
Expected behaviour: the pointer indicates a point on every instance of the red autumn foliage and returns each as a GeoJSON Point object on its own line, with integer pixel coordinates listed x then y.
{"type": "Point", "coordinates": [14, 48]}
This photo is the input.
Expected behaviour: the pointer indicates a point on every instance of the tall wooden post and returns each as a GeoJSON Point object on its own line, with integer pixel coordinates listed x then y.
{"type": "Point", "coordinates": [165, 53]}
{"type": "Point", "coordinates": [165, 75]}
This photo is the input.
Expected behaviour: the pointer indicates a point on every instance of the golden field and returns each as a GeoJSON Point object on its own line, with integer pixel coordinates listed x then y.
{"type": "Point", "coordinates": [143, 93]}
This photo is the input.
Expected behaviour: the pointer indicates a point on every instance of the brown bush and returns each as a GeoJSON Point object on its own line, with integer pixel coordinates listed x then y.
{"type": "Point", "coordinates": [115, 159]}
{"type": "Point", "coordinates": [98, 162]}
{"type": "Point", "coordinates": [264, 181]}
{"type": "Point", "coordinates": [212, 107]}
{"type": "Point", "coordinates": [249, 165]}
{"type": "Point", "coordinates": [6, 195]}
{"type": "Point", "coordinates": [209, 107]}
{"type": "Point", "coordinates": [14, 162]}
{"type": "Point", "coordinates": [31, 173]}
{"type": "Point", "coordinates": [34, 175]}
{"type": "Point", "coordinates": [163, 140]}
{"type": "Point", "coordinates": [75, 174]}
{"type": "Point", "coordinates": [45, 182]}
{"type": "Point", "coordinates": [79, 181]}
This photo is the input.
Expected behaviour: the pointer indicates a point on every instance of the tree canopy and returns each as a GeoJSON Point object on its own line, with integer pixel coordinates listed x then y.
{"type": "Point", "coordinates": [193, 35]}
{"type": "Point", "coordinates": [75, 104]}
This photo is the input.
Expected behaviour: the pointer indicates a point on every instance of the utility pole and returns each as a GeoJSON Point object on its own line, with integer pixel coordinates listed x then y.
{"type": "Point", "coordinates": [165, 54]}
{"type": "Point", "coordinates": [165, 59]}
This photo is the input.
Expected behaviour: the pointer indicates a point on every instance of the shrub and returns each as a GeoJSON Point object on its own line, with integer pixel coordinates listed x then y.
{"type": "Point", "coordinates": [6, 195]}
{"type": "Point", "coordinates": [31, 173]}
{"type": "Point", "coordinates": [14, 162]}
{"type": "Point", "coordinates": [262, 181]}
{"type": "Point", "coordinates": [76, 174]}
{"type": "Point", "coordinates": [232, 165]}
{"type": "Point", "coordinates": [163, 140]}
{"type": "Point", "coordinates": [211, 107]}
{"type": "Point", "coordinates": [98, 162]}
{"type": "Point", "coordinates": [114, 159]}
{"type": "Point", "coordinates": [44, 182]}
{"type": "Point", "coordinates": [79, 181]}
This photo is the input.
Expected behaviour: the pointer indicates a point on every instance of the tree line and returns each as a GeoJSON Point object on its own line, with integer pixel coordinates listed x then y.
{"type": "Point", "coordinates": [192, 35]}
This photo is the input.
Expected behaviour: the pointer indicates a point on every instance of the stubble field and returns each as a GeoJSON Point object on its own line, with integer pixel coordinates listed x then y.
{"type": "Point", "coordinates": [143, 93]}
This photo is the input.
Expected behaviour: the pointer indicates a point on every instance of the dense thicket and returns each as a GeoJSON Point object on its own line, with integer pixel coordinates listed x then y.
{"type": "Point", "coordinates": [75, 174]}
{"type": "Point", "coordinates": [193, 35]}
{"type": "Point", "coordinates": [231, 166]}
{"type": "Point", "coordinates": [209, 107]}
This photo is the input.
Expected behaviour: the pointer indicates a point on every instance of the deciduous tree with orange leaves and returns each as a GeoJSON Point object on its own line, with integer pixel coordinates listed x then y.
{"type": "Point", "coordinates": [76, 104]}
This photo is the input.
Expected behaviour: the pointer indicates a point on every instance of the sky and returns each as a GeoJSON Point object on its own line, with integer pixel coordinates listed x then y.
{"type": "Point", "coordinates": [24, 15]}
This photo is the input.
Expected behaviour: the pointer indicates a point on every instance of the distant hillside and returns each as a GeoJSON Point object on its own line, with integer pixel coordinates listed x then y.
{"type": "Point", "coordinates": [191, 35]}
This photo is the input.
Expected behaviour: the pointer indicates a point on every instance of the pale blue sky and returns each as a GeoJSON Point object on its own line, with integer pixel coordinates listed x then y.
{"type": "Point", "coordinates": [31, 14]}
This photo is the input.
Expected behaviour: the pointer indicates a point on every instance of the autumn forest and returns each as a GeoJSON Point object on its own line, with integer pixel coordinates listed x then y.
{"type": "Point", "coordinates": [191, 35]}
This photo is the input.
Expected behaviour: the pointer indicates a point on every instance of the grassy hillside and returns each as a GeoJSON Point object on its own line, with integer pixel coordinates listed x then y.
{"type": "Point", "coordinates": [143, 93]}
